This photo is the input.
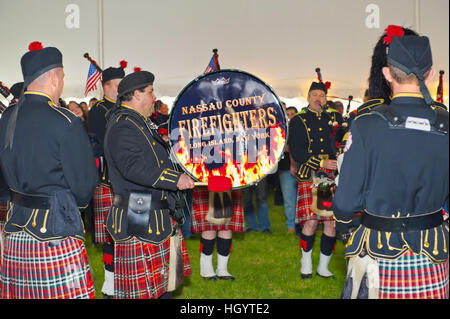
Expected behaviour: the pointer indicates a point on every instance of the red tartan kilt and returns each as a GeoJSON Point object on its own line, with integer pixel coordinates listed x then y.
{"type": "Point", "coordinates": [3, 211]}
{"type": "Point", "coordinates": [200, 210]}
{"type": "Point", "coordinates": [32, 269]}
{"type": "Point", "coordinates": [141, 270]}
{"type": "Point", "coordinates": [413, 276]}
{"type": "Point", "coordinates": [102, 201]}
{"type": "Point", "coordinates": [304, 202]}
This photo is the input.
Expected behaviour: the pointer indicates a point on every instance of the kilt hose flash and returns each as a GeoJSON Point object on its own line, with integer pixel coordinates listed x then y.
{"type": "Point", "coordinates": [32, 269]}
{"type": "Point", "coordinates": [102, 201]}
{"type": "Point", "coordinates": [304, 202]}
{"type": "Point", "coordinates": [142, 269]}
{"type": "Point", "coordinates": [200, 209]}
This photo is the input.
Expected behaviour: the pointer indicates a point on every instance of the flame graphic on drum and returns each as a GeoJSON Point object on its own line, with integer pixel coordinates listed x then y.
{"type": "Point", "coordinates": [241, 173]}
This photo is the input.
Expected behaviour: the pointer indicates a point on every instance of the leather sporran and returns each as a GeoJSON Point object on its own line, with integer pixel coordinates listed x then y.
{"type": "Point", "coordinates": [220, 207]}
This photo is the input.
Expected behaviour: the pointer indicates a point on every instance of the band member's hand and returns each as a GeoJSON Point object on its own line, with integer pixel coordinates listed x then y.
{"type": "Point", "coordinates": [185, 182]}
{"type": "Point", "coordinates": [293, 170]}
{"type": "Point", "coordinates": [330, 164]}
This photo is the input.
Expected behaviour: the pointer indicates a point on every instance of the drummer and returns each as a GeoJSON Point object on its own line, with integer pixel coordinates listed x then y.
{"type": "Point", "coordinates": [310, 145]}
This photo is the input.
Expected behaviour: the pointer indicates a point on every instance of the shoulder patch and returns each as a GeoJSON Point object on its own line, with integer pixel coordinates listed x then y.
{"type": "Point", "coordinates": [349, 141]}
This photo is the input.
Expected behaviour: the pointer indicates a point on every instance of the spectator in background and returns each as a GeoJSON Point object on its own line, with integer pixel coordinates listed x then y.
{"type": "Point", "coordinates": [76, 109]}
{"type": "Point", "coordinates": [338, 106]}
{"type": "Point", "coordinates": [262, 207]}
{"type": "Point", "coordinates": [92, 101]}
{"type": "Point", "coordinates": [85, 109]}
{"type": "Point", "coordinates": [288, 183]}
{"type": "Point", "coordinates": [164, 108]}
{"type": "Point", "coordinates": [291, 111]}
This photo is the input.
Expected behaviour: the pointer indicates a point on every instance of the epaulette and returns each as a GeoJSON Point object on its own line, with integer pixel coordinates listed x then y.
{"type": "Point", "coordinates": [369, 105]}
{"type": "Point", "coordinates": [439, 105]}
{"type": "Point", "coordinates": [100, 104]}
{"type": "Point", "coordinates": [66, 113]}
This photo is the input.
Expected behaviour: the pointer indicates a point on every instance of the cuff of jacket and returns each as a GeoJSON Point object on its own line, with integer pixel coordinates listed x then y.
{"type": "Point", "coordinates": [168, 179]}
{"type": "Point", "coordinates": [305, 171]}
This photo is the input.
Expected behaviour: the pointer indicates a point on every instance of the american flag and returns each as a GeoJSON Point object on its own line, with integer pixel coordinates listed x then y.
{"type": "Point", "coordinates": [213, 64]}
{"type": "Point", "coordinates": [92, 79]}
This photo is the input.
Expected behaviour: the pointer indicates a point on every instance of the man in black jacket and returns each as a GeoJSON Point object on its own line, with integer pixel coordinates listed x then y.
{"type": "Point", "coordinates": [145, 216]}
{"type": "Point", "coordinates": [49, 168]}
{"type": "Point", "coordinates": [396, 169]}
{"type": "Point", "coordinates": [102, 198]}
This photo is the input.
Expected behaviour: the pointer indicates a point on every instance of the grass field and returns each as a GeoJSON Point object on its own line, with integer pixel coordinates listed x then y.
{"type": "Point", "coordinates": [265, 267]}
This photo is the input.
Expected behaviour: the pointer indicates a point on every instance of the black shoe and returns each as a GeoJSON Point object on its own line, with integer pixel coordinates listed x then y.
{"type": "Point", "coordinates": [212, 278]}
{"type": "Point", "coordinates": [306, 276]}
{"type": "Point", "coordinates": [249, 230]}
{"type": "Point", "coordinates": [267, 231]}
{"type": "Point", "coordinates": [230, 278]}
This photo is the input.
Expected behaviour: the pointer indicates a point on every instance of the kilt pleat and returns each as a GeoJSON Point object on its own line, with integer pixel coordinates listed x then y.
{"type": "Point", "coordinates": [102, 201]}
{"type": "Point", "coordinates": [32, 269]}
{"type": "Point", "coordinates": [413, 276]}
{"type": "Point", "coordinates": [200, 210]}
{"type": "Point", "coordinates": [141, 269]}
{"type": "Point", "coordinates": [304, 202]}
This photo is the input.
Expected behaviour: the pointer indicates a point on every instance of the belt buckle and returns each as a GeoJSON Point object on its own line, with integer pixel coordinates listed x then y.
{"type": "Point", "coordinates": [324, 156]}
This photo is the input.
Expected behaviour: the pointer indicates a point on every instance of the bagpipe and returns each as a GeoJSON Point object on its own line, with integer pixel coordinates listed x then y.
{"type": "Point", "coordinates": [323, 185]}
{"type": "Point", "coordinates": [6, 97]}
{"type": "Point", "coordinates": [337, 123]}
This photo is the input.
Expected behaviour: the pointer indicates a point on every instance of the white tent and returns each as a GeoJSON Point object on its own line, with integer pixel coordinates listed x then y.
{"type": "Point", "coordinates": [282, 42]}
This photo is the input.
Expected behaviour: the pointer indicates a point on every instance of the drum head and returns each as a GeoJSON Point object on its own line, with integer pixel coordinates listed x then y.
{"type": "Point", "coordinates": [228, 123]}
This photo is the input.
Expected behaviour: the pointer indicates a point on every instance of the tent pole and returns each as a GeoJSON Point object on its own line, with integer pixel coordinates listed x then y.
{"type": "Point", "coordinates": [100, 33]}
{"type": "Point", "coordinates": [417, 15]}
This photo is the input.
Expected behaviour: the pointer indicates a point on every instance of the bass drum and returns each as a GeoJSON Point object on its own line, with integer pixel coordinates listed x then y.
{"type": "Point", "coordinates": [228, 123]}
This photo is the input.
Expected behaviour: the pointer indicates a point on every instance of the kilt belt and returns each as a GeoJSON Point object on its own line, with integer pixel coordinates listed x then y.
{"type": "Point", "coordinates": [45, 217]}
{"type": "Point", "coordinates": [30, 201]}
{"type": "Point", "coordinates": [402, 224]}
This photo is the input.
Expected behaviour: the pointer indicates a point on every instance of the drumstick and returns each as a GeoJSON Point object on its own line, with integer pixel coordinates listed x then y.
{"type": "Point", "coordinates": [200, 184]}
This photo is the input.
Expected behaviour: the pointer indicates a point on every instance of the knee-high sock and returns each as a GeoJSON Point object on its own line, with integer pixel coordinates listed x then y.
{"type": "Point", "coordinates": [327, 244]}
{"type": "Point", "coordinates": [223, 246]}
{"type": "Point", "coordinates": [207, 246]}
{"type": "Point", "coordinates": [108, 256]}
{"type": "Point", "coordinates": [108, 263]}
{"type": "Point", "coordinates": [307, 242]}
